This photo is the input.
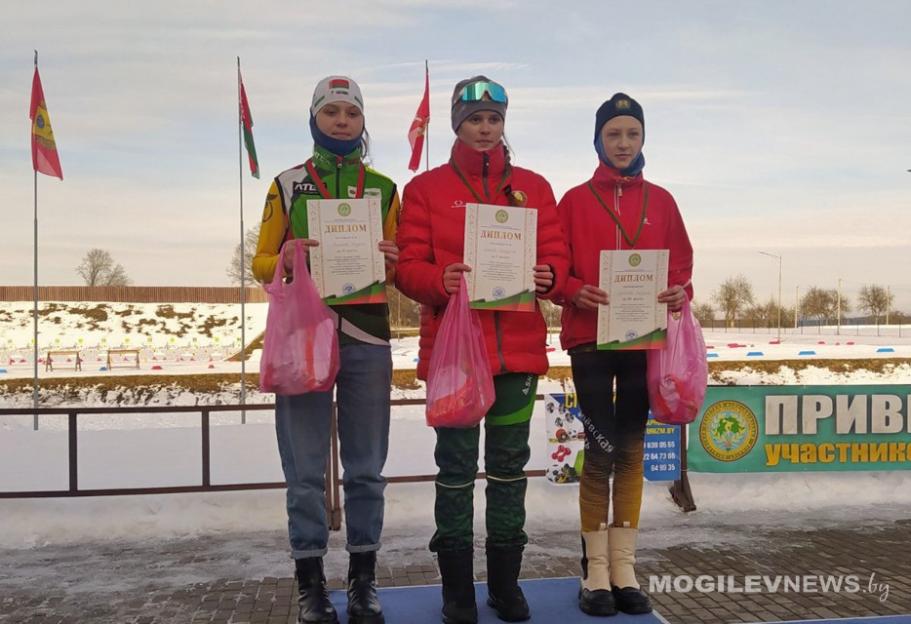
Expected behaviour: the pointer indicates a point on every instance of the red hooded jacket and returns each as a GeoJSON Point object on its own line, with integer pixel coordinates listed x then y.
{"type": "Point", "coordinates": [431, 237]}
{"type": "Point", "coordinates": [589, 228]}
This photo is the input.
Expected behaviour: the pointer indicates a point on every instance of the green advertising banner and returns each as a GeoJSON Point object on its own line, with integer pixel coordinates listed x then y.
{"type": "Point", "coordinates": [801, 428]}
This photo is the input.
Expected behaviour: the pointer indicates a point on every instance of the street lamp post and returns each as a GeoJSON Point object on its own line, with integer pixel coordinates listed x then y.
{"type": "Point", "coordinates": [765, 253]}
{"type": "Point", "coordinates": [838, 309]}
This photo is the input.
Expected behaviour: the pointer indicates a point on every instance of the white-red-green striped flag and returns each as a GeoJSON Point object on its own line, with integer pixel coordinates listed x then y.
{"type": "Point", "coordinates": [247, 122]}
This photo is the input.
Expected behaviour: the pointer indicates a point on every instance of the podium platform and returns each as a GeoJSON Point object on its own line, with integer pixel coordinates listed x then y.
{"type": "Point", "coordinates": [875, 619]}
{"type": "Point", "coordinates": [551, 600]}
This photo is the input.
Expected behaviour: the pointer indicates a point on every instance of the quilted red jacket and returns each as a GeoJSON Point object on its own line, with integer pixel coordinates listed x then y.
{"type": "Point", "coordinates": [589, 228]}
{"type": "Point", "coordinates": [431, 237]}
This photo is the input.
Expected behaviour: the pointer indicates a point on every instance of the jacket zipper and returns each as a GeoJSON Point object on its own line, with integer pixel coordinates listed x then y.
{"type": "Point", "coordinates": [499, 331]}
{"type": "Point", "coordinates": [338, 176]}
{"type": "Point", "coordinates": [618, 193]}
{"type": "Point", "coordinates": [484, 171]}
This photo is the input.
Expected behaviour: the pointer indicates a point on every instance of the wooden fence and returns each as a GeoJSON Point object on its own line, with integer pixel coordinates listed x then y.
{"type": "Point", "coordinates": [133, 294]}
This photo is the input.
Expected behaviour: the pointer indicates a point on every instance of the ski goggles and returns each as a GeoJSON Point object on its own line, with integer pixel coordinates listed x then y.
{"type": "Point", "coordinates": [476, 91]}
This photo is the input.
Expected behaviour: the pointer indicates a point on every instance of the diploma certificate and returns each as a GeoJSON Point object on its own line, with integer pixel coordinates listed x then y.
{"type": "Point", "coordinates": [633, 319]}
{"type": "Point", "coordinates": [501, 244]}
{"type": "Point", "coordinates": [347, 266]}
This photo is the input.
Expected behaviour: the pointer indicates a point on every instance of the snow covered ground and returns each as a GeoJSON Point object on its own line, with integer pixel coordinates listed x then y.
{"type": "Point", "coordinates": [188, 338]}
{"type": "Point", "coordinates": [194, 339]}
{"type": "Point", "coordinates": [92, 324]}
{"type": "Point", "coordinates": [734, 364]}
{"type": "Point", "coordinates": [727, 506]}
{"type": "Point", "coordinates": [720, 346]}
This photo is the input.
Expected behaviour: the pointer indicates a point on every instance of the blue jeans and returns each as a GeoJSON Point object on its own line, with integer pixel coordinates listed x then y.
{"type": "Point", "coordinates": [302, 424]}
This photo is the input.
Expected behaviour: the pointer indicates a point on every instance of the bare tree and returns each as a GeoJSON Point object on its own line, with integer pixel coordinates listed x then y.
{"type": "Point", "coordinates": [704, 313]}
{"type": "Point", "coordinates": [99, 269]}
{"type": "Point", "coordinates": [403, 312]}
{"type": "Point", "coordinates": [760, 315]}
{"type": "Point", "coordinates": [816, 303]}
{"type": "Point", "coordinates": [734, 295]}
{"type": "Point", "coordinates": [251, 238]}
{"type": "Point", "coordinates": [875, 301]}
{"type": "Point", "coordinates": [787, 316]}
{"type": "Point", "coordinates": [552, 312]}
{"type": "Point", "coordinates": [117, 276]}
{"type": "Point", "coordinates": [766, 314]}
{"type": "Point", "coordinates": [823, 304]}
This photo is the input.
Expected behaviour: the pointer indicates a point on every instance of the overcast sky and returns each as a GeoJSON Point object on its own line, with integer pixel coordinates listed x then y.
{"type": "Point", "coordinates": [782, 127]}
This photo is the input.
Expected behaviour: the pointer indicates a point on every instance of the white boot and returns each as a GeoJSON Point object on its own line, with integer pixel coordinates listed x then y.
{"type": "Point", "coordinates": [622, 553]}
{"type": "Point", "coordinates": [595, 596]}
{"type": "Point", "coordinates": [596, 566]}
{"type": "Point", "coordinates": [623, 557]}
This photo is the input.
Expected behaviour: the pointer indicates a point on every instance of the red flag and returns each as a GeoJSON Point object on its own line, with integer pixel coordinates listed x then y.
{"type": "Point", "coordinates": [44, 149]}
{"type": "Point", "coordinates": [247, 122]}
{"type": "Point", "coordinates": [419, 125]}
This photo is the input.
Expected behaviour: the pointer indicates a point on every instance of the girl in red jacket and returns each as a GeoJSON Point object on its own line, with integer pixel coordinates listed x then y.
{"type": "Point", "coordinates": [430, 239]}
{"type": "Point", "coordinates": [615, 209]}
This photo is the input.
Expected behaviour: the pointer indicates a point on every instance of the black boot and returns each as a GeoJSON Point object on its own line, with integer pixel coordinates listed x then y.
{"type": "Point", "coordinates": [315, 607]}
{"type": "Point", "coordinates": [503, 591]}
{"type": "Point", "coordinates": [631, 600]}
{"type": "Point", "coordinates": [457, 572]}
{"type": "Point", "coordinates": [363, 605]}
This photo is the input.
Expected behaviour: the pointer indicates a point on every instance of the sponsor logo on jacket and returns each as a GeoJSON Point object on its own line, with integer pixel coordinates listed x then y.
{"type": "Point", "coordinates": [368, 192]}
{"type": "Point", "coordinates": [303, 187]}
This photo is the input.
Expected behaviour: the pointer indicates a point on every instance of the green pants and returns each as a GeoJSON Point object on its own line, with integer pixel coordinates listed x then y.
{"type": "Point", "coordinates": [506, 452]}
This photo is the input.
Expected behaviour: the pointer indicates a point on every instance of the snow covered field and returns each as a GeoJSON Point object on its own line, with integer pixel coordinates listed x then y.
{"type": "Point", "coordinates": [194, 339]}
{"type": "Point", "coordinates": [187, 338]}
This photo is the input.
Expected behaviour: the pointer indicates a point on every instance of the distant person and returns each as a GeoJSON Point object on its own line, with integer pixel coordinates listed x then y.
{"type": "Point", "coordinates": [615, 209]}
{"type": "Point", "coordinates": [431, 238]}
{"type": "Point", "coordinates": [302, 422]}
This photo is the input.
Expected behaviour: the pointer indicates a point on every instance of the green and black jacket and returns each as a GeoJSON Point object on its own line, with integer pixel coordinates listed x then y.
{"type": "Point", "coordinates": [285, 217]}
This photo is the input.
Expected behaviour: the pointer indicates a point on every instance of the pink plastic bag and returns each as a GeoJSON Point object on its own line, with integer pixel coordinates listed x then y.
{"type": "Point", "coordinates": [300, 349]}
{"type": "Point", "coordinates": [459, 383]}
{"type": "Point", "coordinates": [678, 374]}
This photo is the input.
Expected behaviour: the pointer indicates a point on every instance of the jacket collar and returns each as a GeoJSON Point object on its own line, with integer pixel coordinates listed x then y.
{"type": "Point", "coordinates": [327, 162]}
{"type": "Point", "coordinates": [471, 161]}
{"type": "Point", "coordinates": [606, 178]}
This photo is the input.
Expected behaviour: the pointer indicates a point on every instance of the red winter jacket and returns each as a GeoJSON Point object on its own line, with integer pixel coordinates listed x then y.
{"type": "Point", "coordinates": [589, 228]}
{"type": "Point", "coordinates": [431, 237]}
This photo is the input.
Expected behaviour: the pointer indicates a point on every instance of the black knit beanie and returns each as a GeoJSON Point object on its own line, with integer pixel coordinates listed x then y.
{"type": "Point", "coordinates": [619, 104]}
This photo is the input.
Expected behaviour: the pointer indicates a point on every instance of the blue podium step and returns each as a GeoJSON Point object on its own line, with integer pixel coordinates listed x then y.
{"type": "Point", "coordinates": [550, 600]}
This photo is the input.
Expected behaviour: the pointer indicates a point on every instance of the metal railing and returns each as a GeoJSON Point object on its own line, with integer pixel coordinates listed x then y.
{"type": "Point", "coordinates": [680, 490]}
{"type": "Point", "coordinates": [73, 415]}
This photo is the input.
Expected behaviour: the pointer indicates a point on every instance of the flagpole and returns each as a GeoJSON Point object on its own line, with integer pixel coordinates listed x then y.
{"type": "Point", "coordinates": [427, 128]}
{"type": "Point", "coordinates": [35, 293]}
{"type": "Point", "coordinates": [243, 262]}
